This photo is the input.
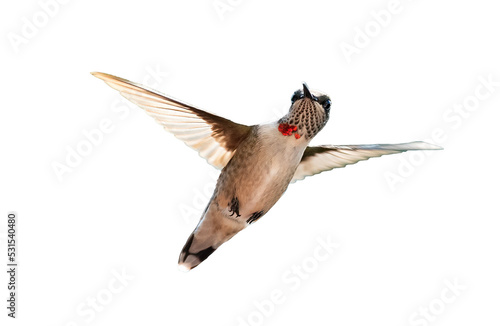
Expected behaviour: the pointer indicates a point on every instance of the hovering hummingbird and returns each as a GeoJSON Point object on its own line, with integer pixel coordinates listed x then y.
{"type": "Point", "coordinates": [258, 162]}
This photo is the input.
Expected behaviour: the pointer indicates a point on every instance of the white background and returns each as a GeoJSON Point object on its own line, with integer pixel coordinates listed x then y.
{"type": "Point", "coordinates": [130, 204]}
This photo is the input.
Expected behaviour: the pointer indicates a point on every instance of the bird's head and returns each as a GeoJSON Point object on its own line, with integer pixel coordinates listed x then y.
{"type": "Point", "coordinates": [308, 114]}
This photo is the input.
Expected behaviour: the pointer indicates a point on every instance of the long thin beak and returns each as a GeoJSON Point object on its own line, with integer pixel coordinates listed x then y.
{"type": "Point", "coordinates": [307, 93]}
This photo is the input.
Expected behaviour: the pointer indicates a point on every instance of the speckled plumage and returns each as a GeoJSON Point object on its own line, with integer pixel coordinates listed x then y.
{"type": "Point", "coordinates": [308, 118]}
{"type": "Point", "coordinates": [258, 162]}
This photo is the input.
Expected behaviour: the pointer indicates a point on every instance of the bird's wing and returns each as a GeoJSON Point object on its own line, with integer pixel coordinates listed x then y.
{"type": "Point", "coordinates": [324, 158]}
{"type": "Point", "coordinates": [214, 137]}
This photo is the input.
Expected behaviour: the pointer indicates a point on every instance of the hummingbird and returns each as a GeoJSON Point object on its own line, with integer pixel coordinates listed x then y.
{"type": "Point", "coordinates": [257, 162]}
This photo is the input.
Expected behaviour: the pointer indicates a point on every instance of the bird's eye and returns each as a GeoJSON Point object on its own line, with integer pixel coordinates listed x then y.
{"type": "Point", "coordinates": [326, 104]}
{"type": "Point", "coordinates": [298, 94]}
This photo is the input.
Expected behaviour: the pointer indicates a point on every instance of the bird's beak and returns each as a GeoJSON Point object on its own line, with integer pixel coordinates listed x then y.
{"type": "Point", "coordinates": [307, 93]}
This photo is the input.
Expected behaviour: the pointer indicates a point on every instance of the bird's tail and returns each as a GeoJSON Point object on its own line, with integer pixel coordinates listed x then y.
{"type": "Point", "coordinates": [190, 257]}
{"type": "Point", "coordinates": [210, 234]}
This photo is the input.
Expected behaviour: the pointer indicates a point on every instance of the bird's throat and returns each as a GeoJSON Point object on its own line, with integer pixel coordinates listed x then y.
{"type": "Point", "coordinates": [288, 130]}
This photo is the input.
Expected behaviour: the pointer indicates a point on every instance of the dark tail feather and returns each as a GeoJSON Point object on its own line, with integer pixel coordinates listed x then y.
{"type": "Point", "coordinates": [189, 259]}
{"type": "Point", "coordinates": [210, 233]}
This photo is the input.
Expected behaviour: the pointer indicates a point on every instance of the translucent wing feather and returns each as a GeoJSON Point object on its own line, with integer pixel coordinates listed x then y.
{"type": "Point", "coordinates": [214, 137]}
{"type": "Point", "coordinates": [324, 158]}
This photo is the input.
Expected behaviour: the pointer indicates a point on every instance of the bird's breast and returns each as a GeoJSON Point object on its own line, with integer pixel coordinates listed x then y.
{"type": "Point", "coordinates": [259, 172]}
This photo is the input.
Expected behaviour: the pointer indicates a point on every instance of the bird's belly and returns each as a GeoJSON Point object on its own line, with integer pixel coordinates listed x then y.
{"type": "Point", "coordinates": [250, 186]}
{"type": "Point", "coordinates": [266, 184]}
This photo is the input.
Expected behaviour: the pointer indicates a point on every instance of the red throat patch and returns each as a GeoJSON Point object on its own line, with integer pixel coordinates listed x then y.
{"type": "Point", "coordinates": [288, 130]}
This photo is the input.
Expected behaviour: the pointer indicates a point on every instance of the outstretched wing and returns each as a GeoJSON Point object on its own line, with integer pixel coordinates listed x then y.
{"type": "Point", "coordinates": [214, 137]}
{"type": "Point", "coordinates": [324, 158]}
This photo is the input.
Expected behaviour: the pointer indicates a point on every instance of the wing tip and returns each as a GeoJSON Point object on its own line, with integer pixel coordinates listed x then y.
{"type": "Point", "coordinates": [97, 74]}
{"type": "Point", "coordinates": [421, 145]}
{"type": "Point", "coordinates": [108, 77]}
